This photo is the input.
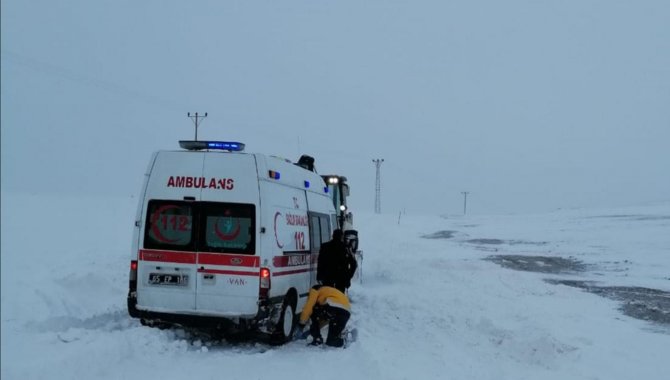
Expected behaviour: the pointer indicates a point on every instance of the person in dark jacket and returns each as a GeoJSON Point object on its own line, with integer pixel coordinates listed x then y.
{"type": "Point", "coordinates": [326, 304]}
{"type": "Point", "coordinates": [337, 264]}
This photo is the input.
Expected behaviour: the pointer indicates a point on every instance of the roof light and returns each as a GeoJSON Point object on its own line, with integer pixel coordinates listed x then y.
{"type": "Point", "coordinates": [343, 208]}
{"type": "Point", "coordinates": [230, 146]}
{"type": "Point", "coordinates": [333, 180]}
{"type": "Point", "coordinates": [273, 174]}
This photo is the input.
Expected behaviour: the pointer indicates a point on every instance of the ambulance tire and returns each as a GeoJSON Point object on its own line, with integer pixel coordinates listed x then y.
{"type": "Point", "coordinates": [155, 324]}
{"type": "Point", "coordinates": [287, 322]}
{"type": "Point", "coordinates": [132, 308]}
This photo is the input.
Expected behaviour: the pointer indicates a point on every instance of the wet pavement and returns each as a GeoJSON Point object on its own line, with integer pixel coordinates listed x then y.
{"type": "Point", "coordinates": [647, 304]}
{"type": "Point", "coordinates": [508, 242]}
{"type": "Point", "coordinates": [642, 303]}
{"type": "Point", "coordinates": [440, 235]}
{"type": "Point", "coordinates": [651, 305]}
{"type": "Point", "coordinates": [541, 264]}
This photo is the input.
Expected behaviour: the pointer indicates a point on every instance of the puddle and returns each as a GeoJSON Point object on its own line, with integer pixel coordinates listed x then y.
{"type": "Point", "coordinates": [440, 235]}
{"type": "Point", "coordinates": [486, 241]}
{"type": "Point", "coordinates": [632, 217]}
{"type": "Point", "coordinates": [510, 242]}
{"type": "Point", "coordinates": [542, 264]}
{"type": "Point", "coordinates": [642, 303]}
{"type": "Point", "coordinates": [647, 304]}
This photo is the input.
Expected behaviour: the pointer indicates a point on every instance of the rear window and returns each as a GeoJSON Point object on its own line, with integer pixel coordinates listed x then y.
{"type": "Point", "coordinates": [169, 225]}
{"type": "Point", "coordinates": [228, 227]}
{"type": "Point", "coordinates": [200, 226]}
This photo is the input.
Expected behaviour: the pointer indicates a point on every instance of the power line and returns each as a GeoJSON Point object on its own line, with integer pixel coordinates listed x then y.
{"type": "Point", "coordinates": [378, 186]}
{"type": "Point", "coordinates": [465, 200]}
{"type": "Point", "coordinates": [195, 120]}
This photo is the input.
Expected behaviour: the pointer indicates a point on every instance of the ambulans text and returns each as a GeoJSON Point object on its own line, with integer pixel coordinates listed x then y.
{"type": "Point", "coordinates": [201, 182]}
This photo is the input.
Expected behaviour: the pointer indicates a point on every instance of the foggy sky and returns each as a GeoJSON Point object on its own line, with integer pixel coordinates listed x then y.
{"type": "Point", "coordinates": [528, 105]}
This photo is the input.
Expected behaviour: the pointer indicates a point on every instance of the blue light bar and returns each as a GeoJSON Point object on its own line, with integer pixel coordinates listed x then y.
{"type": "Point", "coordinates": [230, 146]}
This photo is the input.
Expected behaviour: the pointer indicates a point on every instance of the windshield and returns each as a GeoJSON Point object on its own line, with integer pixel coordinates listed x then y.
{"type": "Point", "coordinates": [334, 190]}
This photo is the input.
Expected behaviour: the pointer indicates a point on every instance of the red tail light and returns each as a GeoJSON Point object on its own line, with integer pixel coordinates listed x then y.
{"type": "Point", "coordinates": [133, 270]}
{"type": "Point", "coordinates": [265, 282]}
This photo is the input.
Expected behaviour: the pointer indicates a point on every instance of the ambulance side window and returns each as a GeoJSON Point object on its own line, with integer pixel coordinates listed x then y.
{"type": "Point", "coordinates": [169, 225]}
{"type": "Point", "coordinates": [325, 228]}
{"type": "Point", "coordinates": [227, 227]}
{"type": "Point", "coordinates": [314, 233]}
{"type": "Point", "coordinates": [319, 231]}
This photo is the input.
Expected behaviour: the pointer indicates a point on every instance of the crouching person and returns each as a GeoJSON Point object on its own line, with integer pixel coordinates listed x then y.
{"type": "Point", "coordinates": [326, 305]}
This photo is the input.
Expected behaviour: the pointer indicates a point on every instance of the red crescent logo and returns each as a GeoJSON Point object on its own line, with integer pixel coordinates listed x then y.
{"type": "Point", "coordinates": [223, 236]}
{"type": "Point", "coordinates": [154, 226]}
{"type": "Point", "coordinates": [277, 237]}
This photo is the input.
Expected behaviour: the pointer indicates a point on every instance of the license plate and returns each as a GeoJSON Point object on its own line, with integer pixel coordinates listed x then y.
{"type": "Point", "coordinates": [168, 279]}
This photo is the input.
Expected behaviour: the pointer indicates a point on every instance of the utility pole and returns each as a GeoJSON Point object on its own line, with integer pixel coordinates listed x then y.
{"type": "Point", "coordinates": [465, 200]}
{"type": "Point", "coordinates": [195, 120]}
{"type": "Point", "coordinates": [378, 186]}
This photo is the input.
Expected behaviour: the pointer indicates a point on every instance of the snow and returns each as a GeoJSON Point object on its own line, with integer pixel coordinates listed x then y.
{"type": "Point", "coordinates": [429, 305]}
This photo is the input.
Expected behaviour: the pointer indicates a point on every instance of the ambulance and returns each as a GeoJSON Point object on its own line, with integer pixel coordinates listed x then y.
{"type": "Point", "coordinates": [228, 240]}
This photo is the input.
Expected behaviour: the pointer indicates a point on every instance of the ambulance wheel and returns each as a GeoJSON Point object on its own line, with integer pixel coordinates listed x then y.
{"type": "Point", "coordinates": [132, 307]}
{"type": "Point", "coordinates": [155, 324]}
{"type": "Point", "coordinates": [286, 324]}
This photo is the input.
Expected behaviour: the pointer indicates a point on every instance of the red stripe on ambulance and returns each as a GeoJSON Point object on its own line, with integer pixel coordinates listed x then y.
{"type": "Point", "coordinates": [232, 260]}
{"type": "Point", "coordinates": [167, 256]}
{"type": "Point", "coordinates": [276, 274]}
{"type": "Point", "coordinates": [291, 260]}
{"type": "Point", "coordinates": [230, 272]}
{"type": "Point", "coordinates": [202, 258]}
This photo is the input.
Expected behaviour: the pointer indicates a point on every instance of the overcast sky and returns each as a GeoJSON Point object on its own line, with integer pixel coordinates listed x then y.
{"type": "Point", "coordinates": [528, 105]}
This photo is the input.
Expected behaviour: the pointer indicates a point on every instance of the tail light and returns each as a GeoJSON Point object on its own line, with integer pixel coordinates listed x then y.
{"type": "Point", "coordinates": [265, 283]}
{"type": "Point", "coordinates": [133, 270]}
{"type": "Point", "coordinates": [132, 277]}
{"type": "Point", "coordinates": [132, 290]}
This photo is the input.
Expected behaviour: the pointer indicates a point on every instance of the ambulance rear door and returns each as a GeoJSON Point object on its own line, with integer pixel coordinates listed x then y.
{"type": "Point", "coordinates": [228, 265]}
{"type": "Point", "coordinates": [166, 277]}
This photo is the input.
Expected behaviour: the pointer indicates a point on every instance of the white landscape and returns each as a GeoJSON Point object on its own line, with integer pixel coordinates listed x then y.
{"type": "Point", "coordinates": [429, 305]}
{"type": "Point", "coordinates": [552, 116]}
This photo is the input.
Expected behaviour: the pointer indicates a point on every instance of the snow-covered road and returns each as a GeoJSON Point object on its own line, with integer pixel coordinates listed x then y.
{"type": "Point", "coordinates": [428, 307]}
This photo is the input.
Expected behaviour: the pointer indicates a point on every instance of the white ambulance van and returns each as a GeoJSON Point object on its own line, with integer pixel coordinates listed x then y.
{"type": "Point", "coordinates": [227, 240]}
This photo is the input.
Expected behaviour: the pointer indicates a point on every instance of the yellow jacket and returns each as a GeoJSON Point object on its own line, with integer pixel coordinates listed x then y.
{"type": "Point", "coordinates": [325, 295]}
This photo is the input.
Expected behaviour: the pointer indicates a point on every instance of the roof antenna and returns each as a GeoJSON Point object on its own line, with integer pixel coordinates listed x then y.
{"type": "Point", "coordinates": [195, 119]}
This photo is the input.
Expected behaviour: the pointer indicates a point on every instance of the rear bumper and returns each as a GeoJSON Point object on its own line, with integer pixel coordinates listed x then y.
{"type": "Point", "coordinates": [226, 324]}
